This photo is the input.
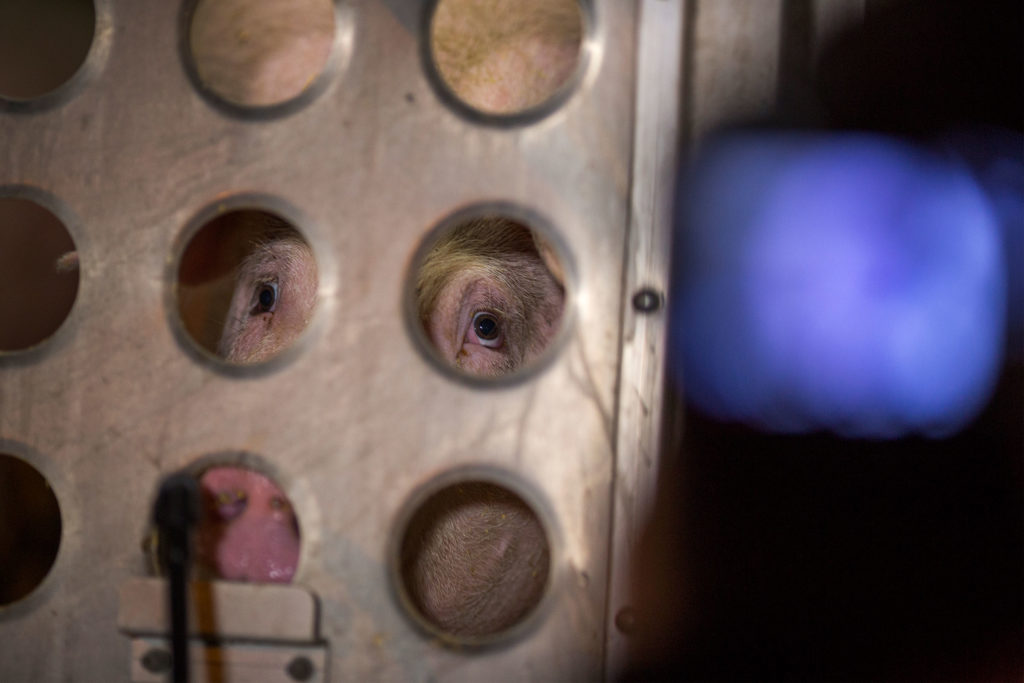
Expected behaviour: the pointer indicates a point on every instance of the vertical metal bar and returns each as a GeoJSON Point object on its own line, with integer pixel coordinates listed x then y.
{"type": "Point", "coordinates": [179, 624]}
{"type": "Point", "coordinates": [175, 513]}
{"type": "Point", "coordinates": [659, 75]}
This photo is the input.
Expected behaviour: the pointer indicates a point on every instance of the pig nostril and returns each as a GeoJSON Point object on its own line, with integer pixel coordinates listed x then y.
{"type": "Point", "coordinates": [474, 560]}
{"type": "Point", "coordinates": [65, 27]}
{"type": "Point", "coordinates": [237, 266]}
{"type": "Point", "coordinates": [231, 504]}
{"type": "Point", "coordinates": [30, 528]}
{"type": "Point", "coordinates": [254, 536]}
{"type": "Point", "coordinates": [505, 57]}
{"type": "Point", "coordinates": [40, 271]}
{"type": "Point", "coordinates": [256, 54]}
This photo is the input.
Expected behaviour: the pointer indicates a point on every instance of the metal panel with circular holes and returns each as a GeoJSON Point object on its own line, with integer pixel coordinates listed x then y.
{"type": "Point", "coordinates": [356, 420]}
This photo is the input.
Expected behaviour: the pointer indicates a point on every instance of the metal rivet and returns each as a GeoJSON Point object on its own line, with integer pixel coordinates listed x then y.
{"type": "Point", "coordinates": [625, 620]}
{"type": "Point", "coordinates": [647, 300]}
{"type": "Point", "coordinates": [156, 661]}
{"type": "Point", "coordinates": [300, 669]}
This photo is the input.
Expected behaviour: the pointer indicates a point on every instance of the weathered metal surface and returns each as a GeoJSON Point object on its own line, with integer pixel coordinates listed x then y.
{"type": "Point", "coordinates": [355, 418]}
{"type": "Point", "coordinates": [222, 609]}
{"type": "Point", "coordinates": [227, 663]}
{"type": "Point", "coordinates": [356, 421]}
{"type": "Point", "coordinates": [660, 52]}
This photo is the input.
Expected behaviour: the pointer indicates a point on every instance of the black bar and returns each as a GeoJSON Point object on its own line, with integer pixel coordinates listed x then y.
{"type": "Point", "coordinates": [175, 513]}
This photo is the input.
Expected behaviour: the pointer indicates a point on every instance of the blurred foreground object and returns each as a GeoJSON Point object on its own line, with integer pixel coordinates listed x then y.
{"type": "Point", "coordinates": [847, 282]}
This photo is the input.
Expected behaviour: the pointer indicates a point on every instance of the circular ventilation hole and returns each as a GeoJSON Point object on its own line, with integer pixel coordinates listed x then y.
{"type": "Point", "coordinates": [474, 560]}
{"type": "Point", "coordinates": [247, 284]}
{"type": "Point", "coordinates": [40, 269]}
{"type": "Point", "coordinates": [503, 57]}
{"type": "Point", "coordinates": [42, 44]}
{"type": "Point", "coordinates": [260, 54]}
{"type": "Point", "coordinates": [488, 295]}
{"type": "Point", "coordinates": [30, 528]}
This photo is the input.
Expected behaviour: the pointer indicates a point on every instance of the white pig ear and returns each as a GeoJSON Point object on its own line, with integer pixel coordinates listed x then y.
{"type": "Point", "coordinates": [67, 262]}
{"type": "Point", "coordinates": [550, 258]}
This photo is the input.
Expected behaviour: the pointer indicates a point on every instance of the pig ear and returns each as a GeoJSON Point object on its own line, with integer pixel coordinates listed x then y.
{"type": "Point", "coordinates": [67, 262]}
{"type": "Point", "coordinates": [550, 258]}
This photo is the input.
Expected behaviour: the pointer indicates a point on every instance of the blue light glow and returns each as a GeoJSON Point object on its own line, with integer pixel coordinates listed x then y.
{"type": "Point", "coordinates": [844, 282]}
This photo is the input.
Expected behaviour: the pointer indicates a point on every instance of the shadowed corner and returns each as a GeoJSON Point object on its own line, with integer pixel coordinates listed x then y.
{"type": "Point", "coordinates": [845, 501]}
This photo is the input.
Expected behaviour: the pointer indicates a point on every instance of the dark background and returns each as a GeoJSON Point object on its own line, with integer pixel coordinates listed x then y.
{"type": "Point", "coordinates": [818, 558]}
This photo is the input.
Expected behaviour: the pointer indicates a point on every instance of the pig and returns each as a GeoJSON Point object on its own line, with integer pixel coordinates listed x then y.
{"type": "Point", "coordinates": [474, 560]}
{"type": "Point", "coordinates": [274, 295]}
{"type": "Point", "coordinates": [248, 530]}
{"type": "Point", "coordinates": [490, 297]}
{"type": "Point", "coordinates": [506, 56]}
{"type": "Point", "coordinates": [497, 56]}
{"type": "Point", "coordinates": [260, 54]}
{"type": "Point", "coordinates": [487, 298]}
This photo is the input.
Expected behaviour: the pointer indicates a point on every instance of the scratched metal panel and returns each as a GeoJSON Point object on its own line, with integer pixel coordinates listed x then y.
{"type": "Point", "coordinates": [356, 418]}
{"type": "Point", "coordinates": [661, 53]}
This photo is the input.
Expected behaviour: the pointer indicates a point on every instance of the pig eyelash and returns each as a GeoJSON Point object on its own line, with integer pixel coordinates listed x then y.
{"type": "Point", "coordinates": [486, 328]}
{"type": "Point", "coordinates": [265, 298]}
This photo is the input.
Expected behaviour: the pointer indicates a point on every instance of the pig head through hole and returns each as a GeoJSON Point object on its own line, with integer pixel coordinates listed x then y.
{"type": "Point", "coordinates": [489, 296]}
{"type": "Point", "coordinates": [474, 559]}
{"type": "Point", "coordinates": [274, 294]}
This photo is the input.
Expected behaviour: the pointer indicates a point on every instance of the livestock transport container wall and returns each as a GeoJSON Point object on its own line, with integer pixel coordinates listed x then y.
{"type": "Point", "coordinates": [357, 422]}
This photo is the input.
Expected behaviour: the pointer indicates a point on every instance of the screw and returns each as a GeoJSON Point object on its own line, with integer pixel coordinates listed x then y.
{"type": "Point", "coordinates": [156, 661]}
{"type": "Point", "coordinates": [625, 620]}
{"type": "Point", "coordinates": [647, 300]}
{"type": "Point", "coordinates": [300, 669]}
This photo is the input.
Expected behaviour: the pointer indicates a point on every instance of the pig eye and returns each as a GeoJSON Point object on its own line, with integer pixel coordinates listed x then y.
{"type": "Point", "coordinates": [231, 504]}
{"type": "Point", "coordinates": [266, 297]}
{"type": "Point", "coordinates": [487, 329]}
